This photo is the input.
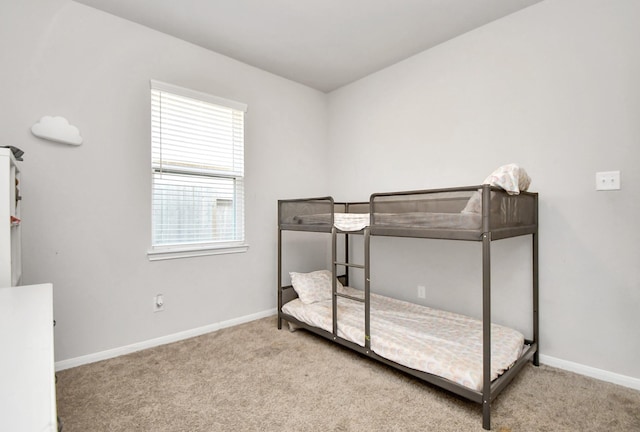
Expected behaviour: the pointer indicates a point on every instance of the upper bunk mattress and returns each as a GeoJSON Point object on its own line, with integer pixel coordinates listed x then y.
{"type": "Point", "coordinates": [434, 341]}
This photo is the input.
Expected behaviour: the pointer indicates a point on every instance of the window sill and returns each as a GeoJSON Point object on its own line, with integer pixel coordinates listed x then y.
{"type": "Point", "coordinates": [165, 253]}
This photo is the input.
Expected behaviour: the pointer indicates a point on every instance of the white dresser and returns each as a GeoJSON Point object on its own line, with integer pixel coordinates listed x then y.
{"type": "Point", "coordinates": [27, 369]}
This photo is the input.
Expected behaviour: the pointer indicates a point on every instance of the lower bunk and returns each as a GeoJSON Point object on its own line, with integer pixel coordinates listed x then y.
{"type": "Point", "coordinates": [439, 347]}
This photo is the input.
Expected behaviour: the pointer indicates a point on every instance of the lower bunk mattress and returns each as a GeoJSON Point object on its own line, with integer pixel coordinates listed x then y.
{"type": "Point", "coordinates": [438, 342]}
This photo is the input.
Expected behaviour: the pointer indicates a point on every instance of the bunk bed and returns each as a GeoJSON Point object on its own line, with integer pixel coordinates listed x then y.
{"type": "Point", "coordinates": [477, 358]}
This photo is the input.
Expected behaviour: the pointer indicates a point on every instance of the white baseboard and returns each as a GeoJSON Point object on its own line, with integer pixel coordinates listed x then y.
{"type": "Point", "coordinates": [115, 352]}
{"type": "Point", "coordinates": [578, 368]}
{"type": "Point", "coordinates": [592, 372]}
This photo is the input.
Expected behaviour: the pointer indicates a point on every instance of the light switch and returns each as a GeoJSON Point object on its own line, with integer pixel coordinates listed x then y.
{"type": "Point", "coordinates": [608, 180]}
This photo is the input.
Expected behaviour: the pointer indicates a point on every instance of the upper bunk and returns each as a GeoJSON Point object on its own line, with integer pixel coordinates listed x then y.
{"type": "Point", "coordinates": [460, 213]}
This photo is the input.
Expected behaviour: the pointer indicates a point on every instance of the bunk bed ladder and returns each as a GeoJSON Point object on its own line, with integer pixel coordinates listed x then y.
{"type": "Point", "coordinates": [347, 265]}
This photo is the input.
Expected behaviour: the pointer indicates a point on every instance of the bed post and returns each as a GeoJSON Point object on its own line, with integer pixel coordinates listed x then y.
{"type": "Point", "coordinates": [334, 283]}
{"type": "Point", "coordinates": [279, 278]}
{"type": "Point", "coordinates": [536, 335]}
{"type": "Point", "coordinates": [346, 251]}
{"type": "Point", "coordinates": [346, 259]}
{"type": "Point", "coordinates": [486, 307]}
{"type": "Point", "coordinates": [367, 289]}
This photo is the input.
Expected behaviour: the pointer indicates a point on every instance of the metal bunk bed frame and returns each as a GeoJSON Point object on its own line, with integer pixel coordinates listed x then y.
{"type": "Point", "coordinates": [491, 389]}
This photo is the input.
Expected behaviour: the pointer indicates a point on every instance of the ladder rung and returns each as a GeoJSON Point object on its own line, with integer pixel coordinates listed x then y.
{"type": "Point", "coordinates": [350, 297]}
{"type": "Point", "coordinates": [349, 264]}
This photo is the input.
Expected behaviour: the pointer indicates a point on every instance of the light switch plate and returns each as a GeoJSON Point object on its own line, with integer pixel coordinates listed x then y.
{"type": "Point", "coordinates": [608, 180]}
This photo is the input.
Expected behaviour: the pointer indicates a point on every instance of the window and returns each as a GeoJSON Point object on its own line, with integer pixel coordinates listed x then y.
{"type": "Point", "coordinates": [197, 166]}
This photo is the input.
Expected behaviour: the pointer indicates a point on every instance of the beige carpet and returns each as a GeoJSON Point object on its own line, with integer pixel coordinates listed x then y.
{"type": "Point", "coordinates": [254, 377]}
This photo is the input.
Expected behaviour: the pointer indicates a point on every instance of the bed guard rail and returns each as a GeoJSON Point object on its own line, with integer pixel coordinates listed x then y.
{"type": "Point", "coordinates": [454, 213]}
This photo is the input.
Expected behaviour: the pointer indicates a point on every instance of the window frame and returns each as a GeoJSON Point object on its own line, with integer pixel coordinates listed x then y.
{"type": "Point", "coordinates": [183, 250]}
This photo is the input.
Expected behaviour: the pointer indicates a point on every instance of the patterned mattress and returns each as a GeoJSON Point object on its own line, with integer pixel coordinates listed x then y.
{"type": "Point", "coordinates": [434, 341]}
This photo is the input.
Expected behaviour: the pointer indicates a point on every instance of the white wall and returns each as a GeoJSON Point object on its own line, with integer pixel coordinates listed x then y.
{"type": "Point", "coordinates": [86, 210]}
{"type": "Point", "coordinates": [555, 88]}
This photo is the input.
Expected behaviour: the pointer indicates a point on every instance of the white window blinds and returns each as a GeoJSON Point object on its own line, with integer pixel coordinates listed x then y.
{"type": "Point", "coordinates": [197, 168]}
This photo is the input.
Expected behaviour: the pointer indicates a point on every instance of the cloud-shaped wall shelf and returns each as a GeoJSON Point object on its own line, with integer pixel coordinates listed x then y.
{"type": "Point", "coordinates": [57, 129]}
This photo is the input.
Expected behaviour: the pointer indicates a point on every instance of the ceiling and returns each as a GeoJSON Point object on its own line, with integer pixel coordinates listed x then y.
{"type": "Point", "coordinates": [324, 44]}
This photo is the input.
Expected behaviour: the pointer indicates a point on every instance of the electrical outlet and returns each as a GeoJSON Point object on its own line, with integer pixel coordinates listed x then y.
{"type": "Point", "coordinates": [422, 291]}
{"type": "Point", "coordinates": [158, 303]}
{"type": "Point", "coordinates": [608, 180]}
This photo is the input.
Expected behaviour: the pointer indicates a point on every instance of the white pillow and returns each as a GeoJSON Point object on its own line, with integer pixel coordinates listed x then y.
{"type": "Point", "coordinates": [313, 287]}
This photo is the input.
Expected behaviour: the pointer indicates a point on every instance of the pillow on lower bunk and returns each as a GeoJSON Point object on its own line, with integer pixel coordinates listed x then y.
{"type": "Point", "coordinates": [313, 287]}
